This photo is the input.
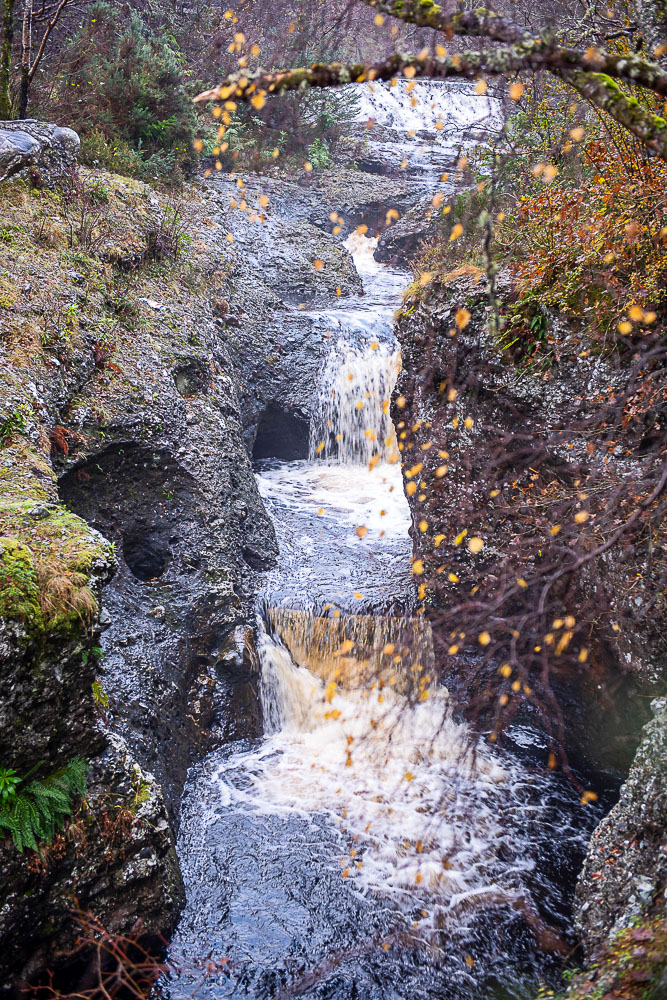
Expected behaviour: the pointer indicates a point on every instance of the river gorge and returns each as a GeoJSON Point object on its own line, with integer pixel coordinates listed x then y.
{"type": "Point", "coordinates": [366, 844]}
{"type": "Point", "coordinates": [284, 797]}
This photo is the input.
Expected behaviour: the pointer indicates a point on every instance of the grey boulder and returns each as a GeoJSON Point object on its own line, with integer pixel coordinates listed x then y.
{"type": "Point", "coordinates": [43, 148]}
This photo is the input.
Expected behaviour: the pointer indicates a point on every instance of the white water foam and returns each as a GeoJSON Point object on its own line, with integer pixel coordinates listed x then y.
{"type": "Point", "coordinates": [419, 812]}
{"type": "Point", "coordinates": [432, 106]}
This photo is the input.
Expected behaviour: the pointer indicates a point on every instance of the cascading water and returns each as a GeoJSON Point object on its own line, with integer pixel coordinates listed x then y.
{"type": "Point", "coordinates": [351, 422]}
{"type": "Point", "coordinates": [429, 106]}
{"type": "Point", "coordinates": [419, 124]}
{"type": "Point", "coordinates": [366, 845]}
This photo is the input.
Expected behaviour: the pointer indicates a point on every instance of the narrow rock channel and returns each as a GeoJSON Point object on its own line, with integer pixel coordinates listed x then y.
{"type": "Point", "coordinates": [365, 845]}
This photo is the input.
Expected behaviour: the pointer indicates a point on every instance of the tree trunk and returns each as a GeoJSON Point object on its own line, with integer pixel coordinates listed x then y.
{"type": "Point", "coordinates": [24, 88]}
{"type": "Point", "coordinates": [6, 40]}
{"type": "Point", "coordinates": [26, 53]}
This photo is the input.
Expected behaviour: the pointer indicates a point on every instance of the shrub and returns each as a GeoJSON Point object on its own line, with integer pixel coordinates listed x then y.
{"type": "Point", "coordinates": [116, 156]}
{"type": "Point", "coordinates": [597, 250]}
{"type": "Point", "coordinates": [86, 212]}
{"type": "Point", "coordinates": [298, 126]}
{"type": "Point", "coordinates": [166, 235]}
{"type": "Point", "coordinates": [583, 233]}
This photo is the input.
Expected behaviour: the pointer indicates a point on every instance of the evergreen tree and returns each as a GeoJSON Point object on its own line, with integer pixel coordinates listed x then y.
{"type": "Point", "coordinates": [127, 84]}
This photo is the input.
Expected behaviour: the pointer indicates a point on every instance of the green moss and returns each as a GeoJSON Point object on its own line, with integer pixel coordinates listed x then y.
{"type": "Point", "coordinates": [48, 552]}
{"type": "Point", "coordinates": [408, 310]}
{"type": "Point", "coordinates": [631, 966]}
{"type": "Point", "coordinates": [19, 591]}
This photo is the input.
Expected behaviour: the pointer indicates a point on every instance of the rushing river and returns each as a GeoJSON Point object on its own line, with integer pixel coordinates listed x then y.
{"type": "Point", "coordinates": [366, 846]}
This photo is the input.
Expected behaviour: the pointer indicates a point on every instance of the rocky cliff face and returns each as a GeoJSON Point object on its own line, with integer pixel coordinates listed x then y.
{"type": "Point", "coordinates": [457, 391]}
{"type": "Point", "coordinates": [625, 873]}
{"type": "Point", "coordinates": [116, 854]}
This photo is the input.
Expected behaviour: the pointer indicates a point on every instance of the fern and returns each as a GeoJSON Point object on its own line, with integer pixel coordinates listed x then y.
{"type": "Point", "coordinates": [34, 811]}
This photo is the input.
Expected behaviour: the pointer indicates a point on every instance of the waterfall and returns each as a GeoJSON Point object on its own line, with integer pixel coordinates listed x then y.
{"type": "Point", "coordinates": [379, 753]}
{"type": "Point", "coordinates": [358, 845]}
{"type": "Point", "coordinates": [432, 106]}
{"type": "Point", "coordinates": [356, 650]}
{"type": "Point", "coordinates": [351, 423]}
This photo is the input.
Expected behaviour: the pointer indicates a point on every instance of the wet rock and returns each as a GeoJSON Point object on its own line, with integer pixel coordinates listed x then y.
{"type": "Point", "coordinates": [399, 244]}
{"type": "Point", "coordinates": [174, 599]}
{"type": "Point", "coordinates": [356, 197]}
{"type": "Point", "coordinates": [150, 450]}
{"type": "Point", "coordinates": [625, 872]}
{"type": "Point", "coordinates": [127, 872]}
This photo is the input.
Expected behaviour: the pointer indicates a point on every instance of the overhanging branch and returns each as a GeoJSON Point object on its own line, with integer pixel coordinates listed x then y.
{"type": "Point", "coordinates": [589, 73]}
{"type": "Point", "coordinates": [427, 14]}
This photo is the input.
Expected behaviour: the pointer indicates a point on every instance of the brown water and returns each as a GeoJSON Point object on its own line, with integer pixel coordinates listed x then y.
{"type": "Point", "coordinates": [367, 844]}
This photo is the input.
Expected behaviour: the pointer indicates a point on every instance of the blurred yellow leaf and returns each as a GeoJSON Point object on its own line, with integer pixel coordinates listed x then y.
{"type": "Point", "coordinates": [462, 318]}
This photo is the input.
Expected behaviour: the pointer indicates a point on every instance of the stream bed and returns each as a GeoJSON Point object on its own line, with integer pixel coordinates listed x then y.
{"type": "Point", "coordinates": [366, 845]}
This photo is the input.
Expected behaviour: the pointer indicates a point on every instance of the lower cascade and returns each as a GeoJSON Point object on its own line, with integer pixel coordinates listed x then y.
{"type": "Point", "coordinates": [367, 843]}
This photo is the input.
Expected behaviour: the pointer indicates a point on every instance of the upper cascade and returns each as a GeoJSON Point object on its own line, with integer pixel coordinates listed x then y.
{"type": "Point", "coordinates": [428, 106]}
{"type": "Point", "coordinates": [351, 423]}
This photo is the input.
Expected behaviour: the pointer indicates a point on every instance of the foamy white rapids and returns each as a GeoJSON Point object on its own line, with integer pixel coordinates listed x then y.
{"type": "Point", "coordinates": [427, 105]}
{"type": "Point", "coordinates": [420, 814]}
{"type": "Point", "coordinates": [362, 248]}
{"type": "Point", "coordinates": [350, 495]}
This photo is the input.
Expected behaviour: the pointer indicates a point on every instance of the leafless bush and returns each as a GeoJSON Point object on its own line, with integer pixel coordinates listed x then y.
{"type": "Point", "coordinates": [110, 966]}
{"type": "Point", "coordinates": [167, 233]}
{"type": "Point", "coordinates": [86, 213]}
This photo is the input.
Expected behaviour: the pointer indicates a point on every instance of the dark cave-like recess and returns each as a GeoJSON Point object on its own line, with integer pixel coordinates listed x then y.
{"type": "Point", "coordinates": [147, 557]}
{"type": "Point", "coordinates": [281, 435]}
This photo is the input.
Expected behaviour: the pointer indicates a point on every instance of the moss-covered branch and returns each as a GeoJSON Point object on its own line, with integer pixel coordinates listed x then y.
{"type": "Point", "coordinates": [605, 94]}
{"type": "Point", "coordinates": [582, 70]}
{"type": "Point", "coordinates": [485, 23]}
{"type": "Point", "coordinates": [478, 22]}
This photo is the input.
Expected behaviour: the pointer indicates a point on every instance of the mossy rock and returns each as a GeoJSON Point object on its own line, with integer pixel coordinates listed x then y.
{"type": "Point", "coordinates": [19, 590]}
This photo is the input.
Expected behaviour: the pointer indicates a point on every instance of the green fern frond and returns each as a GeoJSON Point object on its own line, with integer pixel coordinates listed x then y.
{"type": "Point", "coordinates": [37, 810]}
{"type": "Point", "coordinates": [53, 792]}
{"type": "Point", "coordinates": [75, 775]}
